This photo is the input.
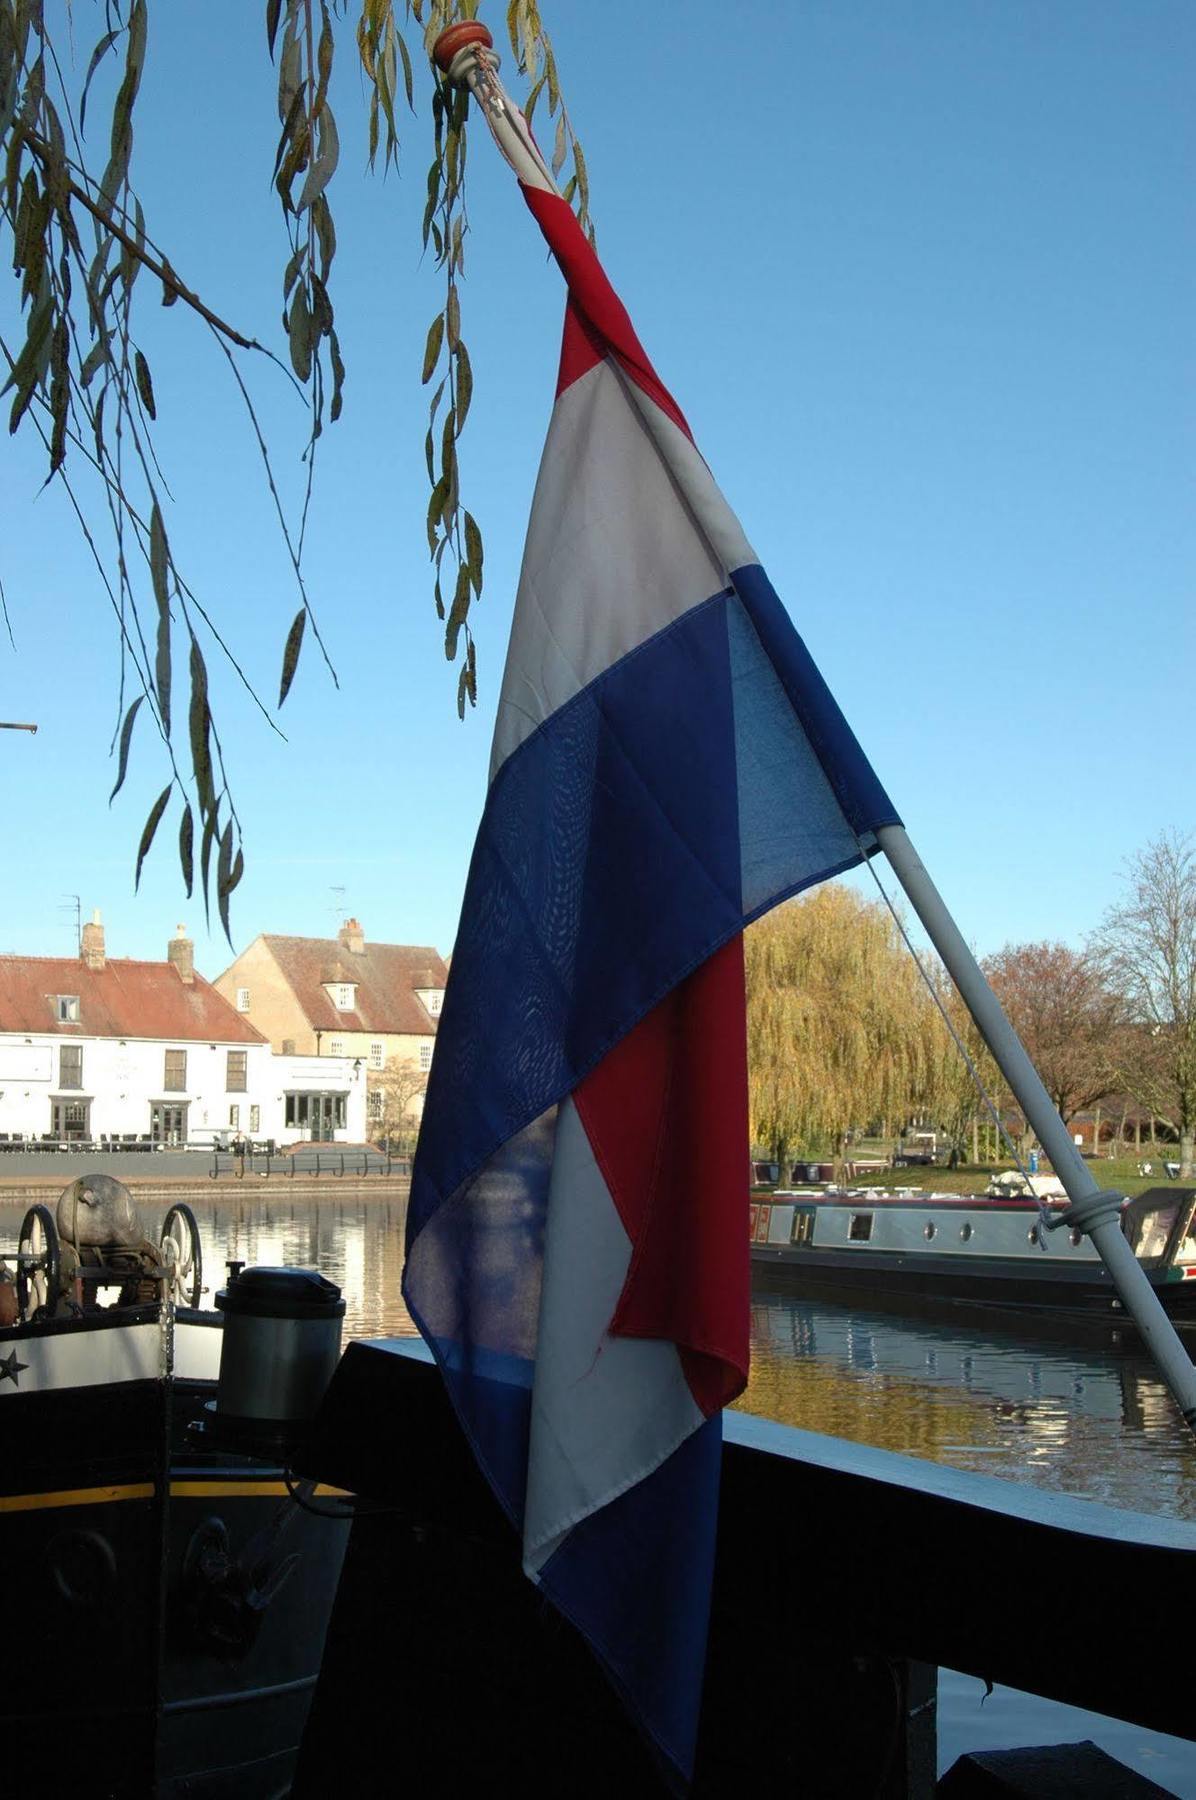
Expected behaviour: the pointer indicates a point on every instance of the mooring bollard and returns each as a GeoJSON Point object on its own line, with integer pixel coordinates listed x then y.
{"type": "Point", "coordinates": [214, 1171]}
{"type": "Point", "coordinates": [341, 1170]}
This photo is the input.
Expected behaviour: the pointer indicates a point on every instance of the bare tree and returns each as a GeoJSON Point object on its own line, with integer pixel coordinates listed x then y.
{"type": "Point", "coordinates": [391, 1094]}
{"type": "Point", "coordinates": [1067, 1011]}
{"type": "Point", "coordinates": [1147, 946]}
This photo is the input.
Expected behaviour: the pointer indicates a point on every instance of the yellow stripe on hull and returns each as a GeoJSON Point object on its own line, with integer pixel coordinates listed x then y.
{"type": "Point", "coordinates": [97, 1496]}
{"type": "Point", "coordinates": [144, 1490]}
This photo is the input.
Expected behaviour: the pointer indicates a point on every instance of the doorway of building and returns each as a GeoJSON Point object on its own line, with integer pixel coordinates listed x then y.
{"type": "Point", "coordinates": [168, 1122]}
{"type": "Point", "coordinates": [70, 1120]}
{"type": "Point", "coordinates": [316, 1116]}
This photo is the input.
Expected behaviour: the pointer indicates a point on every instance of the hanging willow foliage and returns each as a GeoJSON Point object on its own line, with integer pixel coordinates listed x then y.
{"type": "Point", "coordinates": [81, 381]}
{"type": "Point", "coordinates": [843, 1028]}
{"type": "Point", "coordinates": [838, 1026]}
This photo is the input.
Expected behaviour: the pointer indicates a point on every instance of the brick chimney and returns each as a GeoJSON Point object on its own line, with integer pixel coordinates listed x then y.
{"type": "Point", "coordinates": [352, 937]}
{"type": "Point", "coordinates": [181, 952]}
{"type": "Point", "coordinates": [91, 943]}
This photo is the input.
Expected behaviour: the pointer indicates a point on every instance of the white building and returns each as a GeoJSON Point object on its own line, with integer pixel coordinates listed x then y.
{"type": "Point", "coordinates": [95, 1048]}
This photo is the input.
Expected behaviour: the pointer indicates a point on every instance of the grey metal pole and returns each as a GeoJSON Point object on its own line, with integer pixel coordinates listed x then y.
{"type": "Point", "coordinates": [1092, 1210]}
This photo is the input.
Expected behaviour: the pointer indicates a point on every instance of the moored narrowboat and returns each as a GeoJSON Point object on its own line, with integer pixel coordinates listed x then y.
{"type": "Point", "coordinates": [1002, 1251]}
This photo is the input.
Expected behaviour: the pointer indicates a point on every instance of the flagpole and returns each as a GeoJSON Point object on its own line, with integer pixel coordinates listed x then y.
{"type": "Point", "coordinates": [1092, 1210]}
{"type": "Point", "coordinates": [466, 57]}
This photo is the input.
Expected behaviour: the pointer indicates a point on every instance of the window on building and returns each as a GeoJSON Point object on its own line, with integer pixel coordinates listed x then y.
{"type": "Point", "coordinates": [234, 1117]}
{"type": "Point", "coordinates": [434, 1003]}
{"type": "Point", "coordinates": [235, 1077]}
{"type": "Point", "coordinates": [66, 1007]}
{"type": "Point", "coordinates": [242, 999]}
{"type": "Point", "coordinates": [375, 1102]}
{"type": "Point", "coordinates": [174, 1076]}
{"type": "Point", "coordinates": [255, 1119]}
{"type": "Point", "coordinates": [377, 1056]}
{"type": "Point", "coordinates": [425, 1056]}
{"type": "Point", "coordinates": [70, 1066]}
{"type": "Point", "coordinates": [336, 1046]}
{"type": "Point", "coordinates": [343, 997]}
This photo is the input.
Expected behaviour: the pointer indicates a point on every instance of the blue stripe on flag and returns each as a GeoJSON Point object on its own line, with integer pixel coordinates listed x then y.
{"type": "Point", "coordinates": [646, 1560]}
{"type": "Point", "coordinates": [610, 862]}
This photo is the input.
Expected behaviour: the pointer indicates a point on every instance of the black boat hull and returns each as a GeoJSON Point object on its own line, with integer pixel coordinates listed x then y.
{"type": "Point", "coordinates": [1037, 1291]}
{"type": "Point", "coordinates": [166, 1606]}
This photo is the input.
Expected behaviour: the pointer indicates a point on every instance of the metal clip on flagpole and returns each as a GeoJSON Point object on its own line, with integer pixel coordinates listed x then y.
{"type": "Point", "coordinates": [1091, 1210]}
{"type": "Point", "coordinates": [466, 56]}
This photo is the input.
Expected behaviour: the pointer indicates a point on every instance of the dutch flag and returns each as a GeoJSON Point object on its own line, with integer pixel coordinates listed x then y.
{"type": "Point", "coordinates": [667, 764]}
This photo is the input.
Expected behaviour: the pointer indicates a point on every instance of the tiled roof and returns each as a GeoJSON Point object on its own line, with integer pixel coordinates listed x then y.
{"type": "Point", "coordinates": [385, 976]}
{"type": "Point", "coordinates": [124, 999]}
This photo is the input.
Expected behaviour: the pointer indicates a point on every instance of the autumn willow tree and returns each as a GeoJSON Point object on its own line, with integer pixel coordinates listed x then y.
{"type": "Point", "coordinates": [88, 262]}
{"type": "Point", "coordinates": [842, 1027]}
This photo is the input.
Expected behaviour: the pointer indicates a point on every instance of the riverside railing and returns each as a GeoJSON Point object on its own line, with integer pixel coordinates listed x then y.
{"type": "Point", "coordinates": [355, 1162]}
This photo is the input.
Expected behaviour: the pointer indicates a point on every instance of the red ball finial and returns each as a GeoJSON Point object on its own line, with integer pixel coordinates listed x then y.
{"type": "Point", "coordinates": [459, 37]}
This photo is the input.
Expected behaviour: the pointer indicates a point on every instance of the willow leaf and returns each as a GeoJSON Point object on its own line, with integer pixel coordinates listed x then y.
{"type": "Point", "coordinates": [126, 738]}
{"type": "Point", "coordinates": [187, 848]}
{"type": "Point", "coordinates": [210, 828]}
{"type": "Point", "coordinates": [300, 334]}
{"type": "Point", "coordinates": [151, 825]}
{"type": "Point", "coordinates": [145, 385]}
{"type": "Point", "coordinates": [224, 869]}
{"type": "Point", "coordinates": [473, 553]}
{"type": "Point", "coordinates": [464, 385]}
{"type": "Point", "coordinates": [198, 722]}
{"type": "Point", "coordinates": [159, 567]}
{"type": "Point", "coordinates": [290, 655]}
{"type": "Point", "coordinates": [432, 347]}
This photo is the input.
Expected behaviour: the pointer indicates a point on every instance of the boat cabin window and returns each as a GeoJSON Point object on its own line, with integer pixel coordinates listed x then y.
{"type": "Point", "coordinates": [1156, 1229]}
{"type": "Point", "coordinates": [965, 1231]}
{"type": "Point", "coordinates": [860, 1229]}
{"type": "Point", "coordinates": [1149, 1222]}
{"type": "Point", "coordinates": [803, 1228]}
{"type": "Point", "coordinates": [929, 1229]}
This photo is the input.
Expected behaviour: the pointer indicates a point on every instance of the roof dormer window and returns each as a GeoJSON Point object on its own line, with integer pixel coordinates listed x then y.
{"type": "Point", "coordinates": [66, 1008]}
{"type": "Point", "coordinates": [344, 995]}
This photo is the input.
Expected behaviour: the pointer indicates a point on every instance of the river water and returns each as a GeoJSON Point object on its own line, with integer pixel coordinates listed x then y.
{"type": "Point", "coordinates": [1094, 1422]}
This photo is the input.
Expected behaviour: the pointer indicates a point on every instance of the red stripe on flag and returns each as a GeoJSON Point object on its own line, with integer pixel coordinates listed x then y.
{"type": "Point", "coordinates": [666, 1116]}
{"type": "Point", "coordinates": [596, 323]}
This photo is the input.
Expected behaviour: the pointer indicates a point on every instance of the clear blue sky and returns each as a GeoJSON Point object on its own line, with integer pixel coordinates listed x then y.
{"type": "Point", "coordinates": [920, 274]}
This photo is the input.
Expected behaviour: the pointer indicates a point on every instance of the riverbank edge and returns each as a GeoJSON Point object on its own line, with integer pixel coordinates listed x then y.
{"type": "Point", "coordinates": [35, 1189]}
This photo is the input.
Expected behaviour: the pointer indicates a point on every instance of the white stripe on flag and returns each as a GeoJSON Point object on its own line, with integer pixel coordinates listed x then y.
{"type": "Point", "coordinates": [605, 1411]}
{"type": "Point", "coordinates": [616, 548]}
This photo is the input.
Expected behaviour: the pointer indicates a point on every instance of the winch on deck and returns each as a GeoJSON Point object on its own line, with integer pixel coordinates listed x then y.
{"type": "Point", "coordinates": [69, 1262]}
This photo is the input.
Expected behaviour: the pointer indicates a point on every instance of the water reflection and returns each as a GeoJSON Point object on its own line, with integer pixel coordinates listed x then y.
{"type": "Point", "coordinates": [1092, 1421]}
{"type": "Point", "coordinates": [1095, 1421]}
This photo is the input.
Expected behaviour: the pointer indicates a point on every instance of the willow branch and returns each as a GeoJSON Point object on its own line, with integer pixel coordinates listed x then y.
{"type": "Point", "coordinates": [162, 270]}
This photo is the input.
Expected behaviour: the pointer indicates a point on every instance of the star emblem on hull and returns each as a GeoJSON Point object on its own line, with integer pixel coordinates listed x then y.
{"type": "Point", "coordinates": [10, 1368]}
